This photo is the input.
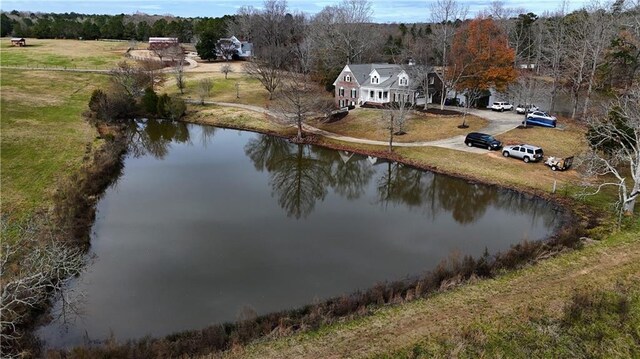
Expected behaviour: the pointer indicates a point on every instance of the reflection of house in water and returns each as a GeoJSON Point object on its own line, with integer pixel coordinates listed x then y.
{"type": "Point", "coordinates": [345, 156]}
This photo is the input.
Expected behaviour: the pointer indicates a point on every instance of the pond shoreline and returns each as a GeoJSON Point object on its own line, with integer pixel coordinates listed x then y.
{"type": "Point", "coordinates": [576, 219]}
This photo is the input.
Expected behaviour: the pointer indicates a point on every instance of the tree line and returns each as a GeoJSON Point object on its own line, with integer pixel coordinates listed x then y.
{"type": "Point", "coordinates": [137, 27]}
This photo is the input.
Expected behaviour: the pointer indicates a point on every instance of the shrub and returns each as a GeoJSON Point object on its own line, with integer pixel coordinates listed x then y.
{"type": "Point", "coordinates": [149, 102]}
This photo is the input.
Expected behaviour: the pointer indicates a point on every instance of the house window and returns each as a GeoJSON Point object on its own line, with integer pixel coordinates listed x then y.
{"type": "Point", "coordinates": [404, 81]}
{"type": "Point", "coordinates": [375, 80]}
{"type": "Point", "coordinates": [354, 93]}
{"type": "Point", "coordinates": [347, 78]}
{"type": "Point", "coordinates": [371, 94]}
{"type": "Point", "coordinates": [379, 94]}
{"type": "Point", "coordinates": [432, 80]}
{"type": "Point", "coordinates": [341, 91]}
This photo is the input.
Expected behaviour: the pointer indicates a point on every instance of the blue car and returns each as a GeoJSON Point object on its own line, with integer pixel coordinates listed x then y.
{"type": "Point", "coordinates": [540, 118]}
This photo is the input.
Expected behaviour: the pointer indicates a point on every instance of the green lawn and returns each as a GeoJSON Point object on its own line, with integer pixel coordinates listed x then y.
{"type": "Point", "coordinates": [44, 135]}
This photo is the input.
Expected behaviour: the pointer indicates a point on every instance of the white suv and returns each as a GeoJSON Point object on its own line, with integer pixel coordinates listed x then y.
{"type": "Point", "coordinates": [502, 106]}
{"type": "Point", "coordinates": [526, 153]}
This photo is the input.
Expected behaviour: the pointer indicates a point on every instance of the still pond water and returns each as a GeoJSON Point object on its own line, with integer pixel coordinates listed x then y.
{"type": "Point", "coordinates": [207, 223]}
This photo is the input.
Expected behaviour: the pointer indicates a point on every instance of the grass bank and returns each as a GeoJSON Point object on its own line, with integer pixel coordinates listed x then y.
{"type": "Point", "coordinates": [488, 317]}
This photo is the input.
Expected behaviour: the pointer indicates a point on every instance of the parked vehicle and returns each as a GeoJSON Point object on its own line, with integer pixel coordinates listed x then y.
{"type": "Point", "coordinates": [501, 106]}
{"type": "Point", "coordinates": [521, 109]}
{"type": "Point", "coordinates": [559, 164]}
{"type": "Point", "coordinates": [524, 152]}
{"type": "Point", "coordinates": [540, 118]}
{"type": "Point", "coordinates": [482, 140]}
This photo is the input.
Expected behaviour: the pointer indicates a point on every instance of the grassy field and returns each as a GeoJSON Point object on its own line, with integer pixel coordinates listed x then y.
{"type": "Point", "coordinates": [250, 90]}
{"type": "Point", "coordinates": [43, 134]}
{"type": "Point", "coordinates": [63, 53]}
{"type": "Point", "coordinates": [370, 124]}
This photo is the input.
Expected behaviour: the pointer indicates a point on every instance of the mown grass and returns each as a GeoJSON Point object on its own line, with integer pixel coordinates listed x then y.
{"type": "Point", "coordinates": [63, 53]}
{"type": "Point", "coordinates": [250, 91]}
{"type": "Point", "coordinates": [370, 124]}
{"type": "Point", "coordinates": [43, 134]}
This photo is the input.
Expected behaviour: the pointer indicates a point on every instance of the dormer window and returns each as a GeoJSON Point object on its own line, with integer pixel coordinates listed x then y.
{"type": "Point", "coordinates": [375, 80]}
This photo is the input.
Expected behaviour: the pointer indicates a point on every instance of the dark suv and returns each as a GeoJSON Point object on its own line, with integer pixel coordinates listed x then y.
{"type": "Point", "coordinates": [482, 140]}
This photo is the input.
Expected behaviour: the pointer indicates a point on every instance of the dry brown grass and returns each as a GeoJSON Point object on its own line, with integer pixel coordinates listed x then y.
{"type": "Point", "coordinates": [369, 123]}
{"type": "Point", "coordinates": [63, 53]}
{"type": "Point", "coordinates": [235, 118]}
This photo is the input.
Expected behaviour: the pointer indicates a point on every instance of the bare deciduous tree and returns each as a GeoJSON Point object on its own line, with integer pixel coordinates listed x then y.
{"type": "Point", "coordinates": [153, 69]}
{"type": "Point", "coordinates": [178, 72]}
{"type": "Point", "coordinates": [43, 268]}
{"type": "Point", "coordinates": [397, 114]}
{"type": "Point", "coordinates": [343, 30]}
{"type": "Point", "coordinates": [226, 49]}
{"type": "Point", "coordinates": [133, 80]}
{"type": "Point", "coordinates": [300, 100]}
{"type": "Point", "coordinates": [615, 148]}
{"type": "Point", "coordinates": [226, 69]}
{"type": "Point", "coordinates": [554, 50]}
{"type": "Point", "coordinates": [269, 76]}
{"type": "Point", "coordinates": [443, 15]}
{"type": "Point", "coordinates": [203, 89]}
{"type": "Point", "coordinates": [602, 24]}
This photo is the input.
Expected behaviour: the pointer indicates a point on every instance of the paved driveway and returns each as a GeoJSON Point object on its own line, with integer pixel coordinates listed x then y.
{"type": "Point", "coordinates": [499, 122]}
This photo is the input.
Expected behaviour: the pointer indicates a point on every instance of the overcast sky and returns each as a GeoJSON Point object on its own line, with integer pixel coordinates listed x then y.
{"type": "Point", "coordinates": [385, 11]}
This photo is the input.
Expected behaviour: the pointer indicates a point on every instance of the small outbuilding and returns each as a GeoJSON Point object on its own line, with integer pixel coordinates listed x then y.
{"type": "Point", "coordinates": [18, 41]}
{"type": "Point", "coordinates": [159, 43]}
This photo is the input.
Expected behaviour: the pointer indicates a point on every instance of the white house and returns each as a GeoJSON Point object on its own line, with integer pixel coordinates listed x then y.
{"type": "Point", "coordinates": [377, 84]}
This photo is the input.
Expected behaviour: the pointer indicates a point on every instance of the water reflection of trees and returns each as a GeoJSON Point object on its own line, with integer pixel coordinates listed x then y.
{"type": "Point", "coordinates": [301, 175]}
{"type": "Point", "coordinates": [467, 202]}
{"type": "Point", "coordinates": [154, 137]}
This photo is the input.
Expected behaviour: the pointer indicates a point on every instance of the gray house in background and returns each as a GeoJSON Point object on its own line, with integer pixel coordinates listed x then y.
{"type": "Point", "coordinates": [379, 84]}
{"type": "Point", "coordinates": [241, 50]}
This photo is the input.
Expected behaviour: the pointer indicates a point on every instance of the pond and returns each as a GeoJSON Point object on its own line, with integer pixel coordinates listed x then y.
{"type": "Point", "coordinates": [207, 224]}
